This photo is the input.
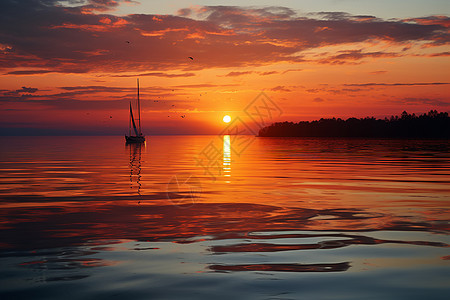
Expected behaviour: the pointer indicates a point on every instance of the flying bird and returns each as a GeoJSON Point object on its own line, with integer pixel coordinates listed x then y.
{"type": "Point", "coordinates": [183, 116]}
{"type": "Point", "coordinates": [191, 57]}
{"type": "Point", "coordinates": [128, 42]}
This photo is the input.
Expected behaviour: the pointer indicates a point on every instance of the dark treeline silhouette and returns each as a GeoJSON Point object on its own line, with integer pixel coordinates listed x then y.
{"type": "Point", "coordinates": [430, 125]}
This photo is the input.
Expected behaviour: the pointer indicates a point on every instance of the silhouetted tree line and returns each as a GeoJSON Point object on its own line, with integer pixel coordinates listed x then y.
{"type": "Point", "coordinates": [430, 125]}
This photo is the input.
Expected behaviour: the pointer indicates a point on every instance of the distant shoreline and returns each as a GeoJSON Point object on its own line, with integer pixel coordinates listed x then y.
{"type": "Point", "coordinates": [432, 125]}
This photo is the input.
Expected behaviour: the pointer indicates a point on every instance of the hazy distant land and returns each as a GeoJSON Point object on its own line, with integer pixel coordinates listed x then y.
{"type": "Point", "coordinates": [430, 125]}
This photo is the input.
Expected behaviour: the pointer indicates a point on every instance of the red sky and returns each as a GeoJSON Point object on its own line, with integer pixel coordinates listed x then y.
{"type": "Point", "coordinates": [73, 69]}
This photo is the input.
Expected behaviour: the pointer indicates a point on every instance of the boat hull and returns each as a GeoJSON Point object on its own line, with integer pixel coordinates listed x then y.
{"type": "Point", "coordinates": [134, 139]}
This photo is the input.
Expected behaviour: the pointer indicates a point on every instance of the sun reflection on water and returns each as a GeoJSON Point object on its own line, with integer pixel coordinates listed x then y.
{"type": "Point", "coordinates": [226, 156]}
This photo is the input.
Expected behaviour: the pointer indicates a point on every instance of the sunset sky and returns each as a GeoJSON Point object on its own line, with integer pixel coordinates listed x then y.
{"type": "Point", "coordinates": [70, 67]}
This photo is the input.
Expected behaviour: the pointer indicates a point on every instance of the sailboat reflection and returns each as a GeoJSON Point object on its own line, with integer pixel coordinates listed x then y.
{"type": "Point", "coordinates": [226, 156]}
{"type": "Point", "coordinates": [135, 165]}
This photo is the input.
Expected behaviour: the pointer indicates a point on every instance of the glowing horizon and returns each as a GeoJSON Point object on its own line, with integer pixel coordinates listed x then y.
{"type": "Point", "coordinates": [76, 73]}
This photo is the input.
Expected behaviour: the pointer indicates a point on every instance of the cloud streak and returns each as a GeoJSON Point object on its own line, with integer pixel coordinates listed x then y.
{"type": "Point", "coordinates": [355, 55]}
{"type": "Point", "coordinates": [29, 72]}
{"type": "Point", "coordinates": [156, 74]}
{"type": "Point", "coordinates": [397, 84]}
{"type": "Point", "coordinates": [421, 101]}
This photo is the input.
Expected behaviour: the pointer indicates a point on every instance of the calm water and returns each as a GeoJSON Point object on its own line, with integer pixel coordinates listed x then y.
{"type": "Point", "coordinates": [196, 217]}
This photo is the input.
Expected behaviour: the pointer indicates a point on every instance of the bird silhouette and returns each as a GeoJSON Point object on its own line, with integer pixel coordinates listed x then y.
{"type": "Point", "coordinates": [128, 42]}
{"type": "Point", "coordinates": [191, 57]}
{"type": "Point", "coordinates": [183, 116]}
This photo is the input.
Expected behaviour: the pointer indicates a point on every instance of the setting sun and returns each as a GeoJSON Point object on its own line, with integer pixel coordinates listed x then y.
{"type": "Point", "coordinates": [227, 119]}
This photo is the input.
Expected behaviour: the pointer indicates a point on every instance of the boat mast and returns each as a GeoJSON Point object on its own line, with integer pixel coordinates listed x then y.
{"type": "Point", "coordinates": [129, 121]}
{"type": "Point", "coordinates": [139, 107]}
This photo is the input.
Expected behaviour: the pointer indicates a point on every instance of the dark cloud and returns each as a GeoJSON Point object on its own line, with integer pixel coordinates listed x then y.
{"type": "Point", "coordinates": [92, 97]}
{"type": "Point", "coordinates": [292, 70]}
{"type": "Point", "coordinates": [104, 4]}
{"type": "Point", "coordinates": [333, 15]}
{"type": "Point", "coordinates": [203, 85]}
{"type": "Point", "coordinates": [431, 20]}
{"type": "Point", "coordinates": [421, 101]}
{"type": "Point", "coordinates": [98, 5]}
{"type": "Point", "coordinates": [447, 53]}
{"type": "Point", "coordinates": [29, 72]}
{"type": "Point", "coordinates": [268, 73]}
{"type": "Point", "coordinates": [234, 74]}
{"type": "Point", "coordinates": [353, 90]}
{"type": "Point", "coordinates": [157, 74]}
{"type": "Point", "coordinates": [42, 36]}
{"type": "Point", "coordinates": [96, 88]}
{"type": "Point", "coordinates": [338, 16]}
{"type": "Point", "coordinates": [185, 12]}
{"type": "Point", "coordinates": [396, 84]}
{"type": "Point", "coordinates": [280, 88]}
{"type": "Point", "coordinates": [68, 104]}
{"type": "Point", "coordinates": [27, 90]}
{"type": "Point", "coordinates": [354, 55]}
{"type": "Point", "coordinates": [242, 17]}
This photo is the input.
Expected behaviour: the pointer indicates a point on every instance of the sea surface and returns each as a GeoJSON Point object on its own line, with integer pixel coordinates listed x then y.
{"type": "Point", "coordinates": [224, 217]}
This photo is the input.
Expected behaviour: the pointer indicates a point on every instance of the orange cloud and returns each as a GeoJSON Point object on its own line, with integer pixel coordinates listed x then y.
{"type": "Point", "coordinates": [431, 20]}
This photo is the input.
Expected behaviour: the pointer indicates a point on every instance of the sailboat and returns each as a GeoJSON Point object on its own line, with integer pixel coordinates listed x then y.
{"type": "Point", "coordinates": [138, 137]}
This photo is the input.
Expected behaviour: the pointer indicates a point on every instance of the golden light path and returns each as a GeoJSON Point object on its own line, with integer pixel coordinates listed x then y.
{"type": "Point", "coordinates": [226, 154]}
